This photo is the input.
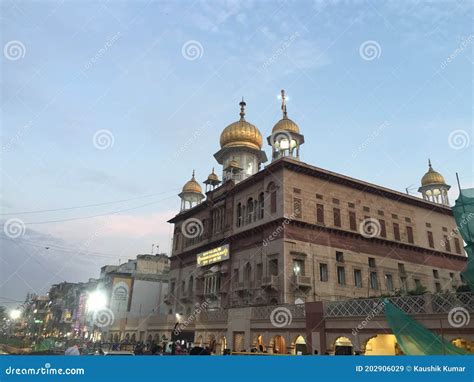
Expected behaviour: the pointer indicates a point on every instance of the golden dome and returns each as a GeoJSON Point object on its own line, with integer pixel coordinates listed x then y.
{"type": "Point", "coordinates": [286, 124]}
{"type": "Point", "coordinates": [432, 177]}
{"type": "Point", "coordinates": [192, 186]}
{"type": "Point", "coordinates": [213, 177]}
{"type": "Point", "coordinates": [241, 133]}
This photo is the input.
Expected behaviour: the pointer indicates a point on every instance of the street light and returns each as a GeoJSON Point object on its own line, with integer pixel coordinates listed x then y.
{"type": "Point", "coordinates": [15, 314]}
{"type": "Point", "coordinates": [96, 301]}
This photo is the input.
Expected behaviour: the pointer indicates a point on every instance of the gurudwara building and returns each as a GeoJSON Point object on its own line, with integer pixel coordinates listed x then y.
{"type": "Point", "coordinates": [270, 246]}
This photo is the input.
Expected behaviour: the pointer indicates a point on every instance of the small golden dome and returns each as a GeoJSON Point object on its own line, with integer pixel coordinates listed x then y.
{"type": "Point", "coordinates": [432, 177]}
{"type": "Point", "coordinates": [286, 124]}
{"type": "Point", "coordinates": [213, 177]}
{"type": "Point", "coordinates": [192, 186]}
{"type": "Point", "coordinates": [241, 133]}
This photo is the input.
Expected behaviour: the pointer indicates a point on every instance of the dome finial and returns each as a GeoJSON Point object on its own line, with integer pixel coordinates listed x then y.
{"type": "Point", "coordinates": [242, 109]}
{"type": "Point", "coordinates": [193, 174]}
{"type": "Point", "coordinates": [283, 103]}
{"type": "Point", "coordinates": [429, 163]}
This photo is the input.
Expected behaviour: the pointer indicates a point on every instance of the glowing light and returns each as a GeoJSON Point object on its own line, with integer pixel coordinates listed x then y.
{"type": "Point", "coordinates": [15, 314]}
{"type": "Point", "coordinates": [97, 300]}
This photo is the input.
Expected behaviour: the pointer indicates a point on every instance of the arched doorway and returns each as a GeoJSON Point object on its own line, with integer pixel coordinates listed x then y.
{"type": "Point", "coordinates": [279, 345]}
{"type": "Point", "coordinates": [343, 346]}
{"type": "Point", "coordinates": [382, 344]}
{"type": "Point", "coordinates": [221, 345]}
{"type": "Point", "coordinates": [300, 346]}
{"type": "Point", "coordinates": [464, 344]}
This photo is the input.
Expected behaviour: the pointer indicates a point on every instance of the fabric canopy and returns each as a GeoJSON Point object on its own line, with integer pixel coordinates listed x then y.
{"type": "Point", "coordinates": [413, 338]}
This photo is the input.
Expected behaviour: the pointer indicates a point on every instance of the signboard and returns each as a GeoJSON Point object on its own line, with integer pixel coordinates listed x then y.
{"type": "Point", "coordinates": [213, 256]}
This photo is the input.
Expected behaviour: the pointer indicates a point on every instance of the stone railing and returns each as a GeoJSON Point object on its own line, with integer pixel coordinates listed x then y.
{"type": "Point", "coordinates": [423, 304]}
{"type": "Point", "coordinates": [213, 315]}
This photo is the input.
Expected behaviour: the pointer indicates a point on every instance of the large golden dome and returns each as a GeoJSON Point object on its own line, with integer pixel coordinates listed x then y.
{"type": "Point", "coordinates": [192, 186]}
{"type": "Point", "coordinates": [286, 124]}
{"type": "Point", "coordinates": [432, 177]}
{"type": "Point", "coordinates": [241, 133]}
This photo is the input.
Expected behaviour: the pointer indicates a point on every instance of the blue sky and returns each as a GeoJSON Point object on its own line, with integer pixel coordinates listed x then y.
{"type": "Point", "coordinates": [123, 66]}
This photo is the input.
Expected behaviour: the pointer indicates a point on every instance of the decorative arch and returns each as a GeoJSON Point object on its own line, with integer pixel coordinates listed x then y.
{"type": "Point", "coordinates": [278, 345]}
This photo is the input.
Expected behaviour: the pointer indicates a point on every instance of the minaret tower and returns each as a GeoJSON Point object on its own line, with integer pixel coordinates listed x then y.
{"type": "Point", "coordinates": [286, 138]}
{"type": "Point", "coordinates": [433, 187]}
{"type": "Point", "coordinates": [241, 149]}
{"type": "Point", "coordinates": [191, 195]}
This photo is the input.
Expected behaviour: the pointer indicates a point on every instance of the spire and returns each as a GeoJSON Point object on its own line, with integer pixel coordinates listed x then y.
{"type": "Point", "coordinates": [242, 109]}
{"type": "Point", "coordinates": [193, 174]}
{"type": "Point", "coordinates": [283, 104]}
{"type": "Point", "coordinates": [429, 163]}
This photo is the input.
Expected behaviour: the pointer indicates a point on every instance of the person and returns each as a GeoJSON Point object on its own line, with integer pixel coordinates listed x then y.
{"type": "Point", "coordinates": [72, 350]}
{"type": "Point", "coordinates": [316, 352]}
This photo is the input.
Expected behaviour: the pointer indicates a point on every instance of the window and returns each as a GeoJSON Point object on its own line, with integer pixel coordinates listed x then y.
{"type": "Point", "coordinates": [438, 287]}
{"type": "Point", "coordinates": [297, 190]}
{"type": "Point", "coordinates": [401, 268]}
{"type": "Point", "coordinates": [371, 262]}
{"type": "Point", "coordinates": [358, 278]}
{"type": "Point", "coordinates": [352, 221]}
{"type": "Point", "coordinates": [408, 220]}
{"type": "Point", "coordinates": [410, 235]}
{"type": "Point", "coordinates": [380, 212]}
{"type": "Point", "coordinates": [396, 231]}
{"type": "Point", "coordinates": [259, 272]}
{"type": "Point", "coordinates": [297, 207]}
{"type": "Point", "coordinates": [273, 202]}
{"type": "Point", "coordinates": [383, 229]}
{"type": "Point", "coordinates": [366, 209]}
{"type": "Point", "coordinates": [447, 243]}
{"type": "Point", "coordinates": [403, 283]}
{"type": "Point", "coordinates": [394, 216]}
{"type": "Point", "coordinates": [320, 213]}
{"type": "Point", "coordinates": [250, 211]}
{"type": "Point", "coordinates": [298, 267]}
{"type": "Point", "coordinates": [351, 205]}
{"type": "Point", "coordinates": [341, 276]}
{"type": "Point", "coordinates": [428, 225]}
{"type": "Point", "coordinates": [319, 196]}
{"type": "Point", "coordinates": [335, 201]}
{"type": "Point", "coordinates": [339, 257]}
{"type": "Point", "coordinates": [457, 245]}
{"type": "Point", "coordinates": [373, 281]}
{"type": "Point", "coordinates": [247, 274]}
{"type": "Point", "coordinates": [337, 217]}
{"type": "Point", "coordinates": [261, 205]}
{"type": "Point", "coordinates": [239, 214]}
{"type": "Point", "coordinates": [435, 274]}
{"type": "Point", "coordinates": [430, 239]}
{"type": "Point", "coordinates": [323, 272]}
{"type": "Point", "coordinates": [445, 229]}
{"type": "Point", "coordinates": [212, 284]}
{"type": "Point", "coordinates": [389, 282]}
{"type": "Point", "coordinates": [417, 283]}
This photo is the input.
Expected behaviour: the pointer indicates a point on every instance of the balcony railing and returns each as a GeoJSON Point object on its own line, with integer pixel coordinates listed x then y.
{"type": "Point", "coordinates": [270, 282]}
{"type": "Point", "coordinates": [422, 304]}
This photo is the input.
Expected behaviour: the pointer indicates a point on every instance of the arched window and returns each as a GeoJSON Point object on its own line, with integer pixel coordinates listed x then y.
{"type": "Point", "coordinates": [191, 284]}
{"type": "Point", "coordinates": [183, 286]}
{"type": "Point", "coordinates": [250, 210]}
{"type": "Point", "coordinates": [261, 205]}
{"type": "Point", "coordinates": [239, 214]}
{"type": "Point", "coordinates": [247, 274]}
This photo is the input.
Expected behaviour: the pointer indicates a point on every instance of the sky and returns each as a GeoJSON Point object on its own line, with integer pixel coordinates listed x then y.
{"type": "Point", "coordinates": [112, 104]}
